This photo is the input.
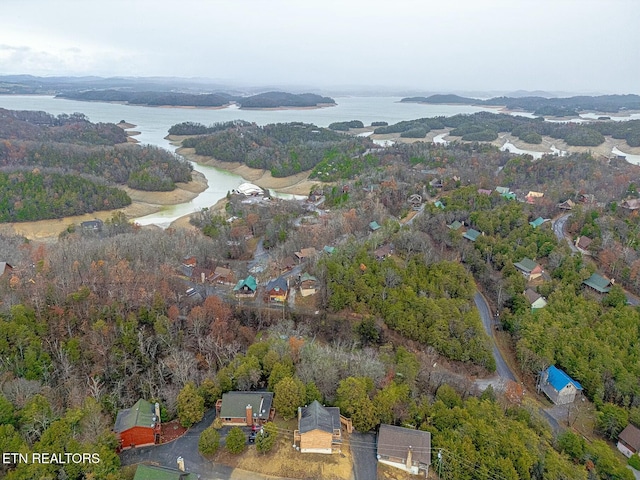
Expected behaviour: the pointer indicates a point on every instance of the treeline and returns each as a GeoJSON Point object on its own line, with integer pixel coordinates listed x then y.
{"type": "Point", "coordinates": [345, 126]}
{"type": "Point", "coordinates": [282, 148]}
{"type": "Point", "coordinates": [42, 126]}
{"type": "Point", "coordinates": [194, 128]}
{"type": "Point", "coordinates": [485, 126]}
{"type": "Point", "coordinates": [432, 304]}
{"type": "Point", "coordinates": [542, 105]}
{"type": "Point", "coordinates": [28, 196]}
{"type": "Point", "coordinates": [154, 98]}
{"type": "Point", "coordinates": [140, 167]}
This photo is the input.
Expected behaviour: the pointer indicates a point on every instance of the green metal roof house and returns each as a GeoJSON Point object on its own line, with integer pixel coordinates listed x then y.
{"type": "Point", "coordinates": [328, 249]}
{"type": "Point", "coordinates": [599, 283]}
{"type": "Point", "coordinates": [537, 222]}
{"type": "Point", "coordinates": [456, 225]}
{"type": "Point", "coordinates": [471, 234]}
{"type": "Point", "coordinates": [530, 269]}
{"type": "Point", "coordinates": [247, 286]}
{"type": "Point", "coordinates": [153, 472]}
{"type": "Point", "coordinates": [439, 204]}
{"type": "Point", "coordinates": [374, 226]}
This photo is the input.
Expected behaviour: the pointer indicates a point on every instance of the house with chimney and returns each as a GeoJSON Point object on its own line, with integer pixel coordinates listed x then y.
{"type": "Point", "coordinates": [319, 429]}
{"type": "Point", "coordinates": [245, 408]}
{"type": "Point", "coordinates": [404, 448]}
{"type": "Point", "coordinates": [139, 425]}
{"type": "Point", "coordinates": [223, 276]}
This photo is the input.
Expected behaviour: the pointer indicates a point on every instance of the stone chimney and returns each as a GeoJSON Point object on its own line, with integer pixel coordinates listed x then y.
{"type": "Point", "coordinates": [409, 458]}
{"type": "Point", "coordinates": [249, 415]}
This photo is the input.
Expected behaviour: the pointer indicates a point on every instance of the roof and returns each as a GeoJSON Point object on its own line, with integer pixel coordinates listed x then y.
{"type": "Point", "coordinates": [537, 222]}
{"type": "Point", "coordinates": [503, 190]}
{"type": "Point", "coordinates": [4, 266]}
{"type": "Point", "coordinates": [532, 295]}
{"type": "Point", "coordinates": [395, 442]}
{"type": "Point", "coordinates": [631, 204]}
{"type": "Point", "coordinates": [222, 272]}
{"type": "Point", "coordinates": [439, 204]}
{"type": "Point", "coordinates": [306, 277]}
{"type": "Point", "coordinates": [631, 436]}
{"type": "Point", "coordinates": [153, 472]}
{"type": "Point", "coordinates": [383, 251]}
{"type": "Point", "coordinates": [317, 417]}
{"type": "Point", "coordinates": [455, 225]}
{"type": "Point", "coordinates": [598, 283]}
{"type": "Point", "coordinates": [142, 414]}
{"type": "Point", "coordinates": [535, 194]}
{"type": "Point", "coordinates": [249, 189]}
{"type": "Point", "coordinates": [329, 249]}
{"type": "Point", "coordinates": [526, 265]}
{"type": "Point", "coordinates": [484, 191]}
{"type": "Point", "coordinates": [374, 226]}
{"type": "Point", "coordinates": [278, 284]}
{"type": "Point", "coordinates": [471, 234]}
{"type": "Point", "coordinates": [249, 282]}
{"type": "Point", "coordinates": [583, 242]}
{"type": "Point", "coordinates": [234, 404]}
{"type": "Point", "coordinates": [558, 379]}
{"type": "Point", "coordinates": [306, 252]}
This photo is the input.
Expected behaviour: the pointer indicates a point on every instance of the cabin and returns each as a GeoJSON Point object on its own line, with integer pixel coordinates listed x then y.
{"type": "Point", "coordinates": [583, 243]}
{"type": "Point", "coordinates": [598, 283]}
{"type": "Point", "coordinates": [538, 221]}
{"type": "Point", "coordinates": [92, 225]}
{"type": "Point", "coordinates": [319, 429]}
{"type": "Point", "coordinates": [223, 276]}
{"type": "Point", "coordinates": [631, 204]}
{"type": "Point", "coordinates": [471, 234]}
{"type": "Point", "coordinates": [248, 190]}
{"type": "Point", "coordinates": [533, 197]}
{"type": "Point", "coordinates": [629, 440]}
{"type": "Point", "coordinates": [329, 249]}
{"type": "Point", "coordinates": [245, 408]}
{"type": "Point", "coordinates": [139, 425]}
{"type": "Point", "coordinates": [246, 287]}
{"type": "Point", "coordinates": [566, 205]}
{"type": "Point", "coordinates": [456, 226]}
{"type": "Point", "coordinates": [416, 201]}
{"type": "Point", "coordinates": [536, 301]}
{"type": "Point", "coordinates": [155, 472]}
{"type": "Point", "coordinates": [439, 205]}
{"type": "Point", "coordinates": [201, 275]}
{"type": "Point", "coordinates": [404, 448]}
{"type": "Point", "coordinates": [308, 285]}
{"type": "Point", "coordinates": [530, 269]}
{"type": "Point", "coordinates": [383, 252]}
{"type": "Point", "coordinates": [189, 262]}
{"type": "Point", "coordinates": [277, 290]}
{"type": "Point", "coordinates": [373, 226]}
{"type": "Point", "coordinates": [305, 253]}
{"type": "Point", "coordinates": [558, 386]}
{"type": "Point", "coordinates": [5, 268]}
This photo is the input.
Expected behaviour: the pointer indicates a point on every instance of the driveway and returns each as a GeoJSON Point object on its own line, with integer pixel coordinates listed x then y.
{"type": "Point", "coordinates": [558, 228]}
{"type": "Point", "coordinates": [187, 448]}
{"type": "Point", "coordinates": [363, 452]}
{"type": "Point", "coordinates": [502, 369]}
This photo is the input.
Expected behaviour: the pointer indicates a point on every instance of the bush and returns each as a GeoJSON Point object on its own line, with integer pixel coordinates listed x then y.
{"type": "Point", "coordinates": [266, 438]}
{"type": "Point", "coordinates": [209, 441]}
{"type": "Point", "coordinates": [634, 461]}
{"type": "Point", "coordinates": [236, 441]}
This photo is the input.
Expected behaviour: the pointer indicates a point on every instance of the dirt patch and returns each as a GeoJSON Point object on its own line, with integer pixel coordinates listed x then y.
{"type": "Point", "coordinates": [171, 431]}
{"type": "Point", "coordinates": [386, 472]}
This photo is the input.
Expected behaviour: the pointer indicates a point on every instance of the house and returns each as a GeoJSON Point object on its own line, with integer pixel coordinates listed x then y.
{"type": "Point", "coordinates": [92, 225]}
{"type": "Point", "coordinates": [246, 287]}
{"type": "Point", "coordinates": [599, 283]}
{"type": "Point", "coordinates": [308, 284]}
{"type": "Point", "coordinates": [456, 226]}
{"type": "Point", "coordinates": [538, 221]}
{"type": "Point", "coordinates": [532, 197]}
{"type": "Point", "coordinates": [503, 190]}
{"type": "Point", "coordinates": [374, 226]}
{"type": "Point", "coordinates": [631, 204]}
{"type": "Point", "coordinates": [484, 191]}
{"type": "Point", "coordinates": [305, 253]}
{"type": "Point", "coordinates": [287, 264]}
{"type": "Point", "coordinates": [536, 301]}
{"type": "Point", "coordinates": [566, 205]}
{"type": "Point", "coordinates": [530, 269]}
{"type": "Point", "coordinates": [154, 472]}
{"type": "Point", "coordinates": [189, 261]}
{"type": "Point", "coordinates": [139, 425]}
{"type": "Point", "coordinates": [439, 204]}
{"type": "Point", "coordinates": [223, 276]}
{"type": "Point", "coordinates": [416, 201]}
{"type": "Point", "coordinates": [383, 252]}
{"type": "Point", "coordinates": [629, 440]}
{"type": "Point", "coordinates": [5, 268]}
{"type": "Point", "coordinates": [248, 189]}
{"type": "Point", "coordinates": [436, 183]}
{"type": "Point", "coordinates": [201, 275]}
{"type": "Point", "coordinates": [558, 386]}
{"type": "Point", "coordinates": [471, 234]}
{"type": "Point", "coordinates": [319, 429]}
{"type": "Point", "coordinates": [277, 290]}
{"type": "Point", "coordinates": [245, 408]}
{"type": "Point", "coordinates": [328, 249]}
{"type": "Point", "coordinates": [583, 243]}
{"type": "Point", "coordinates": [404, 448]}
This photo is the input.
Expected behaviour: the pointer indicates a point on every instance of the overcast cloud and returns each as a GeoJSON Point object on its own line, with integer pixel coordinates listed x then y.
{"type": "Point", "coordinates": [577, 46]}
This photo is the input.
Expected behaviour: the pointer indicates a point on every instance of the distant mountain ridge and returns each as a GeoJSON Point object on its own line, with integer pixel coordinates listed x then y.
{"type": "Point", "coordinates": [567, 106]}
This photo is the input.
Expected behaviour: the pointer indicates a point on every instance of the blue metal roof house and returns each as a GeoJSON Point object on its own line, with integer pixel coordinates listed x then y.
{"type": "Point", "coordinates": [558, 386]}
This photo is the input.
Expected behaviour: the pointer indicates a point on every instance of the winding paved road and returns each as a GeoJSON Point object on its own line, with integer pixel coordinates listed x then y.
{"type": "Point", "coordinates": [502, 369]}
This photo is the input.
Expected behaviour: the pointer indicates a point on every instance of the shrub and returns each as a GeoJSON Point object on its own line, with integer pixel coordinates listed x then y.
{"type": "Point", "coordinates": [209, 441]}
{"type": "Point", "coordinates": [236, 441]}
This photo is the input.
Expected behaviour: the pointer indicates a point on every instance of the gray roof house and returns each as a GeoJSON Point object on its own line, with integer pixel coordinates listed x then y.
{"type": "Point", "coordinates": [245, 408]}
{"type": "Point", "coordinates": [404, 448]}
{"type": "Point", "coordinates": [319, 429]}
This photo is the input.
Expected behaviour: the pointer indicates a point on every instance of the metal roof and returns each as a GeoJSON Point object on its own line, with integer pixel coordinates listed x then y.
{"type": "Point", "coordinates": [142, 414]}
{"type": "Point", "coordinates": [526, 265]}
{"type": "Point", "coordinates": [396, 442]}
{"type": "Point", "coordinates": [598, 283]}
{"type": "Point", "coordinates": [559, 379]}
{"type": "Point", "coordinates": [234, 404]}
{"type": "Point", "coordinates": [317, 417]}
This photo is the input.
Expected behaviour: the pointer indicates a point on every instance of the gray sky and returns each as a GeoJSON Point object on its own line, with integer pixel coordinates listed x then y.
{"type": "Point", "coordinates": [577, 46]}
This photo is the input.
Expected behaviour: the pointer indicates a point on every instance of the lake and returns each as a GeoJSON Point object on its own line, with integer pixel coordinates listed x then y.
{"type": "Point", "coordinates": [153, 123]}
